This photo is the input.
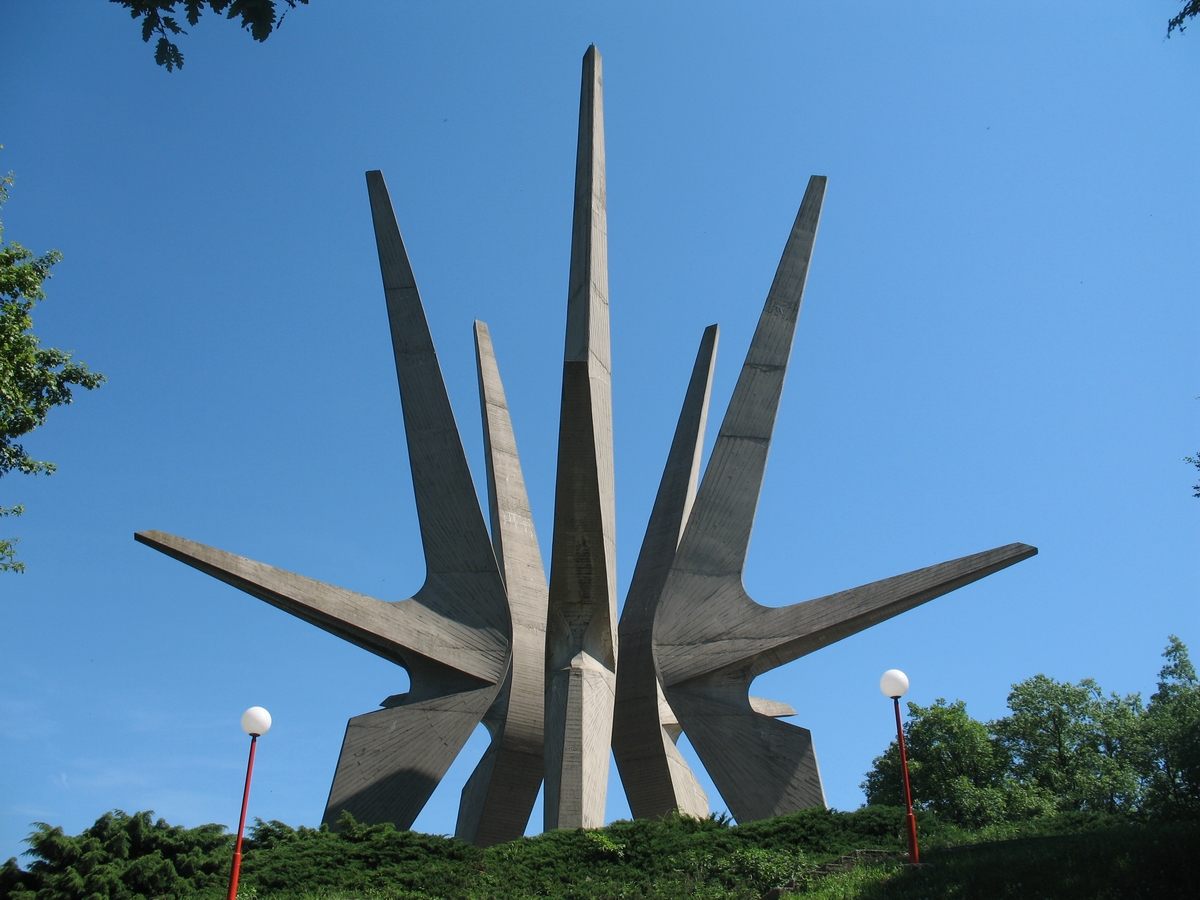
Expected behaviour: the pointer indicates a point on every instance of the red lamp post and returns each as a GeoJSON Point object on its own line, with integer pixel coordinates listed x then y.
{"type": "Point", "coordinates": [894, 684]}
{"type": "Point", "coordinates": [256, 722]}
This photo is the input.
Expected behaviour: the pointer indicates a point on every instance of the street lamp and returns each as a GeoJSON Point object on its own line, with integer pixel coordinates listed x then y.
{"type": "Point", "coordinates": [894, 684]}
{"type": "Point", "coordinates": [256, 722]}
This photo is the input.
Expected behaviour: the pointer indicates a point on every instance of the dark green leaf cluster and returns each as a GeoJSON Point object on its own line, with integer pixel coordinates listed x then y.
{"type": "Point", "coordinates": [130, 856]}
{"type": "Point", "coordinates": [673, 857]}
{"type": "Point", "coordinates": [134, 856]}
{"type": "Point", "coordinates": [357, 857]}
{"type": "Point", "coordinates": [1190, 9]}
{"type": "Point", "coordinates": [121, 856]}
{"type": "Point", "coordinates": [259, 17]}
{"type": "Point", "coordinates": [1062, 748]}
{"type": "Point", "coordinates": [33, 379]}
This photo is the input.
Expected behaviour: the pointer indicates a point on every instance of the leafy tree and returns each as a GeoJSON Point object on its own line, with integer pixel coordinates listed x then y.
{"type": "Point", "coordinates": [1073, 743]}
{"type": "Point", "coordinates": [1194, 460]}
{"type": "Point", "coordinates": [958, 770]}
{"type": "Point", "coordinates": [1172, 735]}
{"type": "Point", "coordinates": [1063, 749]}
{"type": "Point", "coordinates": [33, 379]}
{"type": "Point", "coordinates": [1190, 9]}
{"type": "Point", "coordinates": [259, 17]}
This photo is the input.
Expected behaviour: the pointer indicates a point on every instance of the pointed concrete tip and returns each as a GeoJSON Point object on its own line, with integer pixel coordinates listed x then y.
{"type": "Point", "coordinates": [480, 326]}
{"type": "Point", "coordinates": [592, 50]}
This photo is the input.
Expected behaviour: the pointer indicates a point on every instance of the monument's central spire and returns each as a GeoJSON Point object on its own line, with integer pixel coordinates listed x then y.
{"type": "Point", "coordinates": [581, 641]}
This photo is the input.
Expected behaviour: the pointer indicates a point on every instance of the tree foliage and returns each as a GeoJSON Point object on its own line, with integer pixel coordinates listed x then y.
{"type": "Point", "coordinates": [1172, 725]}
{"type": "Point", "coordinates": [1080, 855]}
{"type": "Point", "coordinates": [1190, 10]}
{"type": "Point", "coordinates": [33, 379]}
{"type": "Point", "coordinates": [162, 18]}
{"type": "Point", "coordinates": [121, 856]}
{"type": "Point", "coordinates": [128, 856]}
{"type": "Point", "coordinates": [1072, 744]}
{"type": "Point", "coordinates": [955, 765]}
{"type": "Point", "coordinates": [1063, 748]}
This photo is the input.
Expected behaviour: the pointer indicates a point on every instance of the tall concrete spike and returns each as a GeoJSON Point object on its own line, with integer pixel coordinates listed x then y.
{"type": "Point", "coordinates": [378, 769]}
{"type": "Point", "coordinates": [657, 779]}
{"type": "Point", "coordinates": [453, 533]}
{"type": "Point", "coordinates": [453, 636]}
{"type": "Point", "coordinates": [499, 796]}
{"type": "Point", "coordinates": [710, 638]}
{"type": "Point", "coordinates": [580, 632]}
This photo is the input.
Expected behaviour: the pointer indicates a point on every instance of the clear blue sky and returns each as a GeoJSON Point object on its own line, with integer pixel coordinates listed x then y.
{"type": "Point", "coordinates": [998, 343]}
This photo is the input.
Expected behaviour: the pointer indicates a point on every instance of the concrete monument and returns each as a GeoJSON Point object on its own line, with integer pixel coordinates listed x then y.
{"type": "Point", "coordinates": [545, 666]}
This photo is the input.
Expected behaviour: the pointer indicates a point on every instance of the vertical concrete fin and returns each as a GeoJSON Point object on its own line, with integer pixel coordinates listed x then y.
{"type": "Point", "coordinates": [677, 488]}
{"type": "Point", "coordinates": [719, 528]}
{"type": "Point", "coordinates": [513, 535]}
{"type": "Point", "coordinates": [581, 625]}
{"type": "Point", "coordinates": [498, 798]}
{"type": "Point", "coordinates": [587, 291]}
{"type": "Point", "coordinates": [453, 533]}
{"type": "Point", "coordinates": [656, 778]}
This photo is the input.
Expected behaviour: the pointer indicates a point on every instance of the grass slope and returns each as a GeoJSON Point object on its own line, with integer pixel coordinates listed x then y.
{"type": "Point", "coordinates": [128, 857]}
{"type": "Point", "coordinates": [1155, 860]}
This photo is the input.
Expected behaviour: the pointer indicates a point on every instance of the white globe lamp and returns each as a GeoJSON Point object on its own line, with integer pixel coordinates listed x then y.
{"type": "Point", "coordinates": [256, 721]}
{"type": "Point", "coordinates": [894, 683]}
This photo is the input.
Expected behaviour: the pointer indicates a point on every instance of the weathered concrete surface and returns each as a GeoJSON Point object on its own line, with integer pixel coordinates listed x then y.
{"type": "Point", "coordinates": [581, 651]}
{"type": "Point", "coordinates": [499, 796]}
{"type": "Point", "coordinates": [656, 778]}
{"type": "Point", "coordinates": [710, 639]}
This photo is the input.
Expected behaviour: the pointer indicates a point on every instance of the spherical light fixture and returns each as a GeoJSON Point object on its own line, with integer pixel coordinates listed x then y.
{"type": "Point", "coordinates": [256, 721]}
{"type": "Point", "coordinates": [894, 683]}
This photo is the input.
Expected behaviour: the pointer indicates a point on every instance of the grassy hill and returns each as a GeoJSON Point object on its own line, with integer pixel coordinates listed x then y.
{"type": "Point", "coordinates": [1065, 856]}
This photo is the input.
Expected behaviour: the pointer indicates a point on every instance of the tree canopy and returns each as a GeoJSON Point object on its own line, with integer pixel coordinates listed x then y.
{"type": "Point", "coordinates": [162, 17]}
{"type": "Point", "coordinates": [1172, 726]}
{"type": "Point", "coordinates": [1063, 748]}
{"type": "Point", "coordinates": [1190, 9]}
{"type": "Point", "coordinates": [33, 379]}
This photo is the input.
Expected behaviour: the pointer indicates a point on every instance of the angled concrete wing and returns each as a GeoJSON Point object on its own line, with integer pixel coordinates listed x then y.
{"type": "Point", "coordinates": [453, 636]}
{"type": "Point", "coordinates": [406, 633]}
{"type": "Point", "coordinates": [710, 639]}
{"type": "Point", "coordinates": [581, 641]}
{"type": "Point", "coordinates": [656, 777]}
{"type": "Point", "coordinates": [499, 796]}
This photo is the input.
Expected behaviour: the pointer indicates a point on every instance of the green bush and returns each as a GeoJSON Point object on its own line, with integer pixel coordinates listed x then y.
{"type": "Point", "coordinates": [1068, 855]}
